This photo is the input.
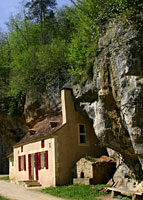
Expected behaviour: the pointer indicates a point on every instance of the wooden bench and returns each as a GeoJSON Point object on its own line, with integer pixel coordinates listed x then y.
{"type": "Point", "coordinates": [135, 195]}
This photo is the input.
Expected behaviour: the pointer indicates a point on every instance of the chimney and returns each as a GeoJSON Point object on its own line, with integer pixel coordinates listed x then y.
{"type": "Point", "coordinates": [67, 105]}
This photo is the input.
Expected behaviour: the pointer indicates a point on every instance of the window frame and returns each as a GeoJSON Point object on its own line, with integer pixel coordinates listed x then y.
{"type": "Point", "coordinates": [22, 163]}
{"type": "Point", "coordinates": [82, 134]}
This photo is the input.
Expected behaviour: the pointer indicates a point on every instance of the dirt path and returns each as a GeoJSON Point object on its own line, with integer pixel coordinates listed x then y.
{"type": "Point", "coordinates": [16, 192]}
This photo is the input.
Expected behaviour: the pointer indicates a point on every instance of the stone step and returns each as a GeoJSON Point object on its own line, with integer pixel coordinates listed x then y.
{"type": "Point", "coordinates": [31, 183]}
{"type": "Point", "coordinates": [82, 181]}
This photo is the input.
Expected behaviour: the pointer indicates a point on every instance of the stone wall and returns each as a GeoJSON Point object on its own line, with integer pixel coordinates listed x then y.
{"type": "Point", "coordinates": [99, 171]}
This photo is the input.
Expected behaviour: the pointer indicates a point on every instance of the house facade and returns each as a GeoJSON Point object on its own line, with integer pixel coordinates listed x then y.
{"type": "Point", "coordinates": [49, 152]}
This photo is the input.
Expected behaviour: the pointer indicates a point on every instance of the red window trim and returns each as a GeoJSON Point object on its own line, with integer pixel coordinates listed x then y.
{"type": "Point", "coordinates": [42, 143]}
{"type": "Point", "coordinates": [19, 163]}
{"type": "Point", "coordinates": [24, 162]}
{"type": "Point", "coordinates": [39, 161]}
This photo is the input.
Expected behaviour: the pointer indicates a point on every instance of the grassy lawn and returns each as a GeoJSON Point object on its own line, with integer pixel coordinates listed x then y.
{"type": "Point", "coordinates": [77, 192]}
{"type": "Point", "coordinates": [5, 178]}
{"type": "Point", "coordinates": [3, 198]}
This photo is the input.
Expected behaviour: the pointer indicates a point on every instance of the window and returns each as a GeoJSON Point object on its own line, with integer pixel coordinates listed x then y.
{"type": "Point", "coordinates": [42, 143]}
{"type": "Point", "coordinates": [44, 160]}
{"type": "Point", "coordinates": [12, 161]}
{"type": "Point", "coordinates": [22, 163]}
{"type": "Point", "coordinates": [82, 131]}
{"type": "Point", "coordinates": [21, 148]}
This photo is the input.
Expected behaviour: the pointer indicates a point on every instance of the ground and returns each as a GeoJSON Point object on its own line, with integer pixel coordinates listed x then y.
{"type": "Point", "coordinates": [106, 197]}
{"type": "Point", "coordinates": [17, 192]}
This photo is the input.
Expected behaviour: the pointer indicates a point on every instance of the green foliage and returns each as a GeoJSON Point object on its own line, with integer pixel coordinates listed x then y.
{"type": "Point", "coordinates": [32, 63]}
{"type": "Point", "coordinates": [46, 42]}
{"type": "Point", "coordinates": [90, 158]}
{"type": "Point", "coordinates": [3, 198]}
{"type": "Point", "coordinates": [13, 107]}
{"type": "Point", "coordinates": [4, 178]}
{"type": "Point", "coordinates": [4, 63]}
{"type": "Point", "coordinates": [76, 192]}
{"type": "Point", "coordinates": [40, 10]}
{"type": "Point", "coordinates": [89, 18]}
{"type": "Point", "coordinates": [123, 197]}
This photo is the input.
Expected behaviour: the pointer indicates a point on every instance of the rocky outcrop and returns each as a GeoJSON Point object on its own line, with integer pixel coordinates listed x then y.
{"type": "Point", "coordinates": [11, 131]}
{"type": "Point", "coordinates": [119, 121]}
{"type": "Point", "coordinates": [116, 106]}
{"type": "Point", "coordinates": [40, 102]}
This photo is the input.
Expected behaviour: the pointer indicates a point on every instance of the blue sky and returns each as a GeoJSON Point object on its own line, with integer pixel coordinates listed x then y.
{"type": "Point", "coordinates": [11, 6]}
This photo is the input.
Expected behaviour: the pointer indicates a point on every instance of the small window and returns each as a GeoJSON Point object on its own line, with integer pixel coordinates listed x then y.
{"type": "Point", "coordinates": [22, 163]}
{"type": "Point", "coordinates": [21, 148]}
{"type": "Point", "coordinates": [42, 143]}
{"type": "Point", "coordinates": [82, 130]}
{"type": "Point", "coordinates": [44, 160]}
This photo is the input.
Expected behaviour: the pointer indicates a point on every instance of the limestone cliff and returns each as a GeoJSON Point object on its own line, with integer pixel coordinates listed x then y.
{"type": "Point", "coordinates": [117, 111]}
{"type": "Point", "coordinates": [11, 131]}
{"type": "Point", "coordinates": [113, 99]}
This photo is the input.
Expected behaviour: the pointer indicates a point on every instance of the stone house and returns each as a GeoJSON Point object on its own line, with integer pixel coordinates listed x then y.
{"type": "Point", "coordinates": [96, 171]}
{"type": "Point", "coordinates": [49, 151]}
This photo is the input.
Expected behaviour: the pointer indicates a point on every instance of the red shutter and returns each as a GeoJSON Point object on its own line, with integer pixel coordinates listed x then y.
{"type": "Point", "coordinates": [39, 160]}
{"type": "Point", "coordinates": [24, 162]}
{"type": "Point", "coordinates": [46, 159]}
{"type": "Point", "coordinates": [36, 165]}
{"type": "Point", "coordinates": [42, 143]}
{"type": "Point", "coordinates": [29, 166]}
{"type": "Point", "coordinates": [19, 163]}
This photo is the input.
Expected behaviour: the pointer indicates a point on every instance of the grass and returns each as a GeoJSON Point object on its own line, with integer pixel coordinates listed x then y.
{"type": "Point", "coordinates": [76, 192]}
{"type": "Point", "coordinates": [3, 198]}
{"type": "Point", "coordinates": [5, 178]}
{"type": "Point", "coordinates": [123, 197]}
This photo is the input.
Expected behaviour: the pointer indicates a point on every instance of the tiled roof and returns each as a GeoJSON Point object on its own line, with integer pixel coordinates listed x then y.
{"type": "Point", "coordinates": [43, 128]}
{"type": "Point", "coordinates": [10, 155]}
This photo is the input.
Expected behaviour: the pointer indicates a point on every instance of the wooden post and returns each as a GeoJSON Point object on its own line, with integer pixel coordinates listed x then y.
{"type": "Point", "coordinates": [134, 197]}
{"type": "Point", "coordinates": [112, 194]}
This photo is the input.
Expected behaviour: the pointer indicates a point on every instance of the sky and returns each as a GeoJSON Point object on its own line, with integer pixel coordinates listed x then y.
{"type": "Point", "coordinates": [7, 7]}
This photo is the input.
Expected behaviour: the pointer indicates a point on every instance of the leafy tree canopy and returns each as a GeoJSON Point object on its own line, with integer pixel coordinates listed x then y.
{"type": "Point", "coordinates": [42, 41]}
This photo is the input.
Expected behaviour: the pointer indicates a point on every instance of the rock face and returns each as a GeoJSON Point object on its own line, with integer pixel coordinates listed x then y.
{"type": "Point", "coordinates": [119, 120]}
{"type": "Point", "coordinates": [11, 131]}
{"type": "Point", "coordinates": [116, 107]}
{"type": "Point", "coordinates": [39, 103]}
